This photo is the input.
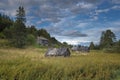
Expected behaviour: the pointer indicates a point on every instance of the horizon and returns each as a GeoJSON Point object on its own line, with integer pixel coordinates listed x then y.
{"type": "Point", "coordinates": [74, 22]}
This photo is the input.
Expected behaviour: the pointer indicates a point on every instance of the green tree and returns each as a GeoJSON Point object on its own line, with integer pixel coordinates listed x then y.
{"type": "Point", "coordinates": [102, 39]}
{"type": "Point", "coordinates": [65, 44]}
{"type": "Point", "coordinates": [5, 22]}
{"type": "Point", "coordinates": [20, 16]}
{"type": "Point", "coordinates": [107, 39]}
{"type": "Point", "coordinates": [53, 40]}
{"type": "Point", "coordinates": [43, 33]}
{"type": "Point", "coordinates": [92, 46]}
{"type": "Point", "coordinates": [19, 35]}
{"type": "Point", "coordinates": [19, 29]}
{"type": "Point", "coordinates": [32, 30]}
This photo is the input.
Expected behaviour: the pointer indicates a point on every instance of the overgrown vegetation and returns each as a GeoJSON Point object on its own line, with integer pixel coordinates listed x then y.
{"type": "Point", "coordinates": [108, 43]}
{"type": "Point", "coordinates": [19, 35]}
{"type": "Point", "coordinates": [30, 64]}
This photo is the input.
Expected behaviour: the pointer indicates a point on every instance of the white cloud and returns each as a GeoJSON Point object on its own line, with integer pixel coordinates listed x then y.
{"type": "Point", "coordinates": [85, 5]}
{"type": "Point", "coordinates": [29, 23]}
{"type": "Point", "coordinates": [43, 20]}
{"type": "Point", "coordinates": [69, 40]}
{"type": "Point", "coordinates": [116, 7]}
{"type": "Point", "coordinates": [115, 26]}
{"type": "Point", "coordinates": [39, 22]}
{"type": "Point", "coordinates": [116, 1]}
{"type": "Point", "coordinates": [95, 18]}
{"type": "Point", "coordinates": [102, 10]}
{"type": "Point", "coordinates": [82, 24]}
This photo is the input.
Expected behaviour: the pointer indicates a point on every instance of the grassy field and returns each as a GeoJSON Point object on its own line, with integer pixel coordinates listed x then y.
{"type": "Point", "coordinates": [30, 64]}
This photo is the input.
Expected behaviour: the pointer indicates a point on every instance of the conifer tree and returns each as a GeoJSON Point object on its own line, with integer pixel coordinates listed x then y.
{"type": "Point", "coordinates": [19, 29]}
{"type": "Point", "coordinates": [92, 46]}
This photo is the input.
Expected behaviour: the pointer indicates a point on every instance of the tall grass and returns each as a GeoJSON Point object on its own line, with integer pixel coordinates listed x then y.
{"type": "Point", "coordinates": [4, 43]}
{"type": "Point", "coordinates": [30, 64]}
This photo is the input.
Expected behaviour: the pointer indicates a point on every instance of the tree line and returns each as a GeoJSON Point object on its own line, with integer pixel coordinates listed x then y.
{"type": "Point", "coordinates": [108, 42]}
{"type": "Point", "coordinates": [18, 34]}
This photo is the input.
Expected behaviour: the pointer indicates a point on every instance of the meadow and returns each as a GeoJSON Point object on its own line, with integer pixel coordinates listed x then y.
{"type": "Point", "coordinates": [30, 64]}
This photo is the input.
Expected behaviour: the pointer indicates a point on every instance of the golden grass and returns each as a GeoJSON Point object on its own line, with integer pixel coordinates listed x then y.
{"type": "Point", "coordinates": [30, 64]}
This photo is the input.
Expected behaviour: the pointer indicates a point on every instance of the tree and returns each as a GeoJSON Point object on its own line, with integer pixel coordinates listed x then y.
{"type": "Point", "coordinates": [5, 22]}
{"type": "Point", "coordinates": [32, 30]}
{"type": "Point", "coordinates": [20, 16]}
{"type": "Point", "coordinates": [107, 39]}
{"type": "Point", "coordinates": [43, 33]}
{"type": "Point", "coordinates": [53, 40]}
{"type": "Point", "coordinates": [65, 44]}
{"type": "Point", "coordinates": [92, 46]}
{"type": "Point", "coordinates": [102, 39]}
{"type": "Point", "coordinates": [19, 29]}
{"type": "Point", "coordinates": [19, 35]}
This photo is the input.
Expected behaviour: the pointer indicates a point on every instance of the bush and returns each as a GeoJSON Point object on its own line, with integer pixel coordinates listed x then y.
{"type": "Point", "coordinates": [4, 43]}
{"type": "Point", "coordinates": [30, 39]}
{"type": "Point", "coordinates": [114, 49]}
{"type": "Point", "coordinates": [2, 36]}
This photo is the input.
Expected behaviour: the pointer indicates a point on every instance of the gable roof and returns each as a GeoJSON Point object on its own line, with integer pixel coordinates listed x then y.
{"type": "Point", "coordinates": [42, 38]}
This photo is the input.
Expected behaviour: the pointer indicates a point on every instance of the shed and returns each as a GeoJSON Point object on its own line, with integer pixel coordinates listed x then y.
{"type": "Point", "coordinates": [42, 41]}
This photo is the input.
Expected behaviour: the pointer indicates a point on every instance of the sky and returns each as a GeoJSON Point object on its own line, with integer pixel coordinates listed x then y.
{"type": "Point", "coordinates": [71, 21]}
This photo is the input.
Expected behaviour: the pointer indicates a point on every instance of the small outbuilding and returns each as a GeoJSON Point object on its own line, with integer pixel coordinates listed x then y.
{"type": "Point", "coordinates": [42, 41]}
{"type": "Point", "coordinates": [80, 48]}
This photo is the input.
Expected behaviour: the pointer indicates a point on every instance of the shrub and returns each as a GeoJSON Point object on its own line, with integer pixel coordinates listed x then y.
{"type": "Point", "coordinates": [31, 39]}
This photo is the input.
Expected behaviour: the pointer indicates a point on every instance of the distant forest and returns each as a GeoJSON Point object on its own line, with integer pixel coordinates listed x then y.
{"type": "Point", "coordinates": [17, 34]}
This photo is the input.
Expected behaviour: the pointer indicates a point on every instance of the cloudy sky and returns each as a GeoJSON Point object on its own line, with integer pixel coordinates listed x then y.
{"type": "Point", "coordinates": [72, 21]}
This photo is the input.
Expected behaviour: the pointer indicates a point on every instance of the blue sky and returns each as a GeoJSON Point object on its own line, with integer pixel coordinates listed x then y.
{"type": "Point", "coordinates": [71, 21]}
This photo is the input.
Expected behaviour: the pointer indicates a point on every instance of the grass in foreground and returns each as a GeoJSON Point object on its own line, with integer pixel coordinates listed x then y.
{"type": "Point", "coordinates": [30, 64]}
